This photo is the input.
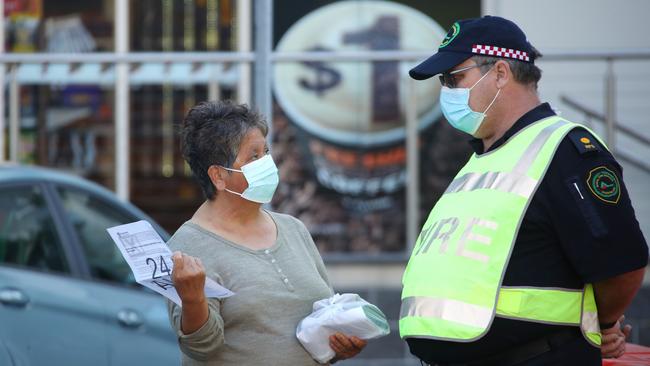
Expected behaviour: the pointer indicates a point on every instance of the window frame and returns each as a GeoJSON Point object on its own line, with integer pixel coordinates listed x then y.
{"type": "Point", "coordinates": [70, 254]}
{"type": "Point", "coordinates": [114, 204]}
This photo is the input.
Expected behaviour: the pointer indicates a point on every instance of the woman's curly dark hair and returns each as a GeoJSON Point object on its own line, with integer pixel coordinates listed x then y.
{"type": "Point", "coordinates": [211, 134]}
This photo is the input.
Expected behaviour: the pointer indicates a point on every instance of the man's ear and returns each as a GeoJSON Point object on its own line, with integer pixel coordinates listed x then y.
{"type": "Point", "coordinates": [503, 73]}
{"type": "Point", "coordinates": [215, 174]}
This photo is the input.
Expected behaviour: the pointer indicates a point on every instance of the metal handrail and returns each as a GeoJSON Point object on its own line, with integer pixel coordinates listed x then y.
{"type": "Point", "coordinates": [131, 57]}
{"type": "Point", "coordinates": [600, 118]}
{"type": "Point", "coordinates": [235, 56]}
{"type": "Point", "coordinates": [595, 55]}
{"type": "Point", "coordinates": [588, 112]}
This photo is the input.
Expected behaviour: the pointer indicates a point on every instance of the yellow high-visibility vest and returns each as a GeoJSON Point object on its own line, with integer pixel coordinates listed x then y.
{"type": "Point", "coordinates": [452, 283]}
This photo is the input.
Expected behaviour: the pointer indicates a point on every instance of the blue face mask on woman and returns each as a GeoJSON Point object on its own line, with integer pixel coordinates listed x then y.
{"type": "Point", "coordinates": [455, 106]}
{"type": "Point", "coordinates": [262, 177]}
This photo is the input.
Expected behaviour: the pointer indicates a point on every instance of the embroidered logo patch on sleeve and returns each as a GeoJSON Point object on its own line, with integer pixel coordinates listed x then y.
{"type": "Point", "coordinates": [604, 184]}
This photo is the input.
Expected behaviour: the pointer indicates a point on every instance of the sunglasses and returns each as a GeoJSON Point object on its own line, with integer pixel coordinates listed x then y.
{"type": "Point", "coordinates": [448, 79]}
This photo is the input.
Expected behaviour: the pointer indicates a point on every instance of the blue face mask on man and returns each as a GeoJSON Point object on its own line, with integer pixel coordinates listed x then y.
{"type": "Point", "coordinates": [454, 103]}
{"type": "Point", "coordinates": [262, 177]}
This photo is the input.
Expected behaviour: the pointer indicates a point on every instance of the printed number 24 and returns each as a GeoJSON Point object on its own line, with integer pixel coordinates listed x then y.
{"type": "Point", "coordinates": [163, 267]}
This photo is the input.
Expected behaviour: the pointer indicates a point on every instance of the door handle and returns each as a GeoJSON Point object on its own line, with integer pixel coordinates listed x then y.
{"type": "Point", "coordinates": [13, 297]}
{"type": "Point", "coordinates": [129, 318]}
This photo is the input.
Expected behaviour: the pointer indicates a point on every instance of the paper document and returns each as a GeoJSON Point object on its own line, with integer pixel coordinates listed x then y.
{"type": "Point", "coordinates": [150, 260]}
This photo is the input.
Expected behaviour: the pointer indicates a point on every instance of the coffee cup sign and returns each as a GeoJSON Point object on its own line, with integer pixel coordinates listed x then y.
{"type": "Point", "coordinates": [351, 115]}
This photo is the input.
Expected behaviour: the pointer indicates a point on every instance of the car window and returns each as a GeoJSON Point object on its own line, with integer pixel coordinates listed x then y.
{"type": "Point", "coordinates": [90, 216]}
{"type": "Point", "coordinates": [28, 236]}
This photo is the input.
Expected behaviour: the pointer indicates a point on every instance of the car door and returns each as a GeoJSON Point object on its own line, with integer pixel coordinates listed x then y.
{"type": "Point", "coordinates": [139, 332]}
{"type": "Point", "coordinates": [5, 358]}
{"type": "Point", "coordinates": [47, 316]}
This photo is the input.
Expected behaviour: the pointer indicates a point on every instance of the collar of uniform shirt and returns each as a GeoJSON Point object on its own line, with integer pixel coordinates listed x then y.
{"type": "Point", "coordinates": [542, 111]}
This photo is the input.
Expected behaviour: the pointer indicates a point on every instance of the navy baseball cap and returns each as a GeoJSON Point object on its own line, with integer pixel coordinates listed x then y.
{"type": "Point", "coordinates": [488, 36]}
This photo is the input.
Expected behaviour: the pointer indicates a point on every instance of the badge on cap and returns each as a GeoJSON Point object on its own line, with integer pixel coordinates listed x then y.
{"type": "Point", "coordinates": [604, 184]}
{"type": "Point", "coordinates": [453, 32]}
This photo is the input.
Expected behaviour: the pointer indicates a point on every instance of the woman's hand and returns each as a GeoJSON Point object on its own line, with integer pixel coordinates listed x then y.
{"type": "Point", "coordinates": [189, 280]}
{"type": "Point", "coordinates": [345, 347]}
{"type": "Point", "coordinates": [188, 277]}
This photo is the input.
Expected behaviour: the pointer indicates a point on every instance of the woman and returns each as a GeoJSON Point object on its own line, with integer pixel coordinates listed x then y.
{"type": "Point", "coordinates": [268, 259]}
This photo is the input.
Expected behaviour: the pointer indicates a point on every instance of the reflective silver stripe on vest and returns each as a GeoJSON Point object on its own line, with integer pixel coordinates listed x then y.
{"type": "Point", "coordinates": [518, 184]}
{"type": "Point", "coordinates": [515, 182]}
{"type": "Point", "coordinates": [589, 322]}
{"type": "Point", "coordinates": [446, 309]}
{"type": "Point", "coordinates": [528, 157]}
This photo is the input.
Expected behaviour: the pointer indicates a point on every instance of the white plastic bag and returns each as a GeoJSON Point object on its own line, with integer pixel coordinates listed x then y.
{"type": "Point", "coordinates": [346, 313]}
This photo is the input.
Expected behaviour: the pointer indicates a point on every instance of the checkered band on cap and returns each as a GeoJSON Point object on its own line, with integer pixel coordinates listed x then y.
{"type": "Point", "coordinates": [500, 52]}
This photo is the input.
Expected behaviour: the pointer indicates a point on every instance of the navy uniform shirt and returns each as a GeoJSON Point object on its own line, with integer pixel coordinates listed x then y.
{"type": "Point", "coordinates": [580, 228]}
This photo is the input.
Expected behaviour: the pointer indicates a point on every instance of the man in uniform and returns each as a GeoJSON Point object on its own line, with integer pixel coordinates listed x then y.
{"type": "Point", "coordinates": [533, 252]}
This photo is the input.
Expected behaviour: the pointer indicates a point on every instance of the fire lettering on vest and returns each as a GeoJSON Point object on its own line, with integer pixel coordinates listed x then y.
{"type": "Point", "coordinates": [443, 229]}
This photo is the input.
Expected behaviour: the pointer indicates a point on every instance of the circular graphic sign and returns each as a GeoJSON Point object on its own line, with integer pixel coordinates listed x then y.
{"type": "Point", "coordinates": [356, 103]}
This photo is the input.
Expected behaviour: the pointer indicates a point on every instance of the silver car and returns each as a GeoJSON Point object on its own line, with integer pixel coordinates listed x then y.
{"type": "Point", "coordinates": [67, 297]}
